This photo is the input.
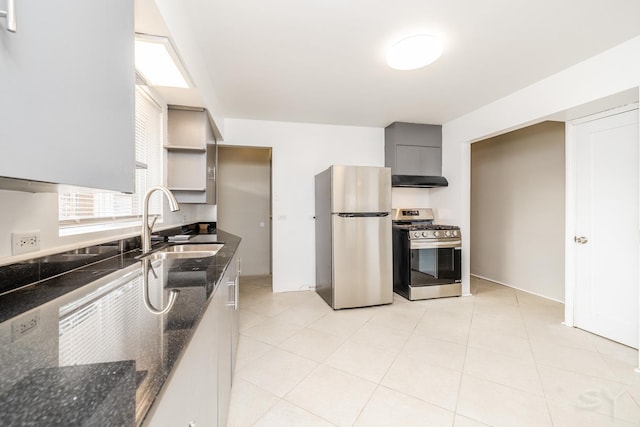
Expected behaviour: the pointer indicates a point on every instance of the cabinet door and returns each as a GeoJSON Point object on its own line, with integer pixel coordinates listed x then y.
{"type": "Point", "coordinates": [228, 332]}
{"type": "Point", "coordinates": [212, 171]}
{"type": "Point", "coordinates": [187, 171]}
{"type": "Point", "coordinates": [415, 160]}
{"type": "Point", "coordinates": [235, 315]}
{"type": "Point", "coordinates": [413, 149]}
{"type": "Point", "coordinates": [224, 352]}
{"type": "Point", "coordinates": [67, 94]}
{"type": "Point", "coordinates": [190, 394]}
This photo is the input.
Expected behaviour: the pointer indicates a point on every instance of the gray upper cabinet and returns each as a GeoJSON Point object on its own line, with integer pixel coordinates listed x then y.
{"type": "Point", "coordinates": [413, 149]}
{"type": "Point", "coordinates": [67, 83]}
{"type": "Point", "coordinates": [191, 155]}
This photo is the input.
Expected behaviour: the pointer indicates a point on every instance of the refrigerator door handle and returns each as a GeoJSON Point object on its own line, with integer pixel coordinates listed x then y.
{"type": "Point", "coordinates": [363, 215]}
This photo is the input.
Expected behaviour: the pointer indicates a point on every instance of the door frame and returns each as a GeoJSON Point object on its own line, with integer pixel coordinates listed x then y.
{"type": "Point", "coordinates": [570, 207]}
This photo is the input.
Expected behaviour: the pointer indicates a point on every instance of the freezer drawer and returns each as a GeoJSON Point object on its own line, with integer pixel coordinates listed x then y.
{"type": "Point", "coordinates": [362, 261]}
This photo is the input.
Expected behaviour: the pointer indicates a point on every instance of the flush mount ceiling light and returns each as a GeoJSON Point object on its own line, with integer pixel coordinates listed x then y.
{"type": "Point", "coordinates": [158, 63]}
{"type": "Point", "coordinates": [414, 52]}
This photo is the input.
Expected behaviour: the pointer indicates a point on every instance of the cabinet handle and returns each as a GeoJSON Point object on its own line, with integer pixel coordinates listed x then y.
{"type": "Point", "coordinates": [234, 283]}
{"type": "Point", "coordinates": [10, 15]}
{"type": "Point", "coordinates": [232, 301]}
{"type": "Point", "coordinates": [237, 296]}
{"type": "Point", "coordinates": [237, 292]}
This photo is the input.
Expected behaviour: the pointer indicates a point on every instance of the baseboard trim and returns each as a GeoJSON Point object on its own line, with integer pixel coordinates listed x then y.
{"type": "Point", "coordinates": [515, 287]}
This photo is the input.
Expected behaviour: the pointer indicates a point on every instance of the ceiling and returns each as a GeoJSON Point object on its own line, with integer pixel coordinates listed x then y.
{"type": "Point", "coordinates": [322, 61]}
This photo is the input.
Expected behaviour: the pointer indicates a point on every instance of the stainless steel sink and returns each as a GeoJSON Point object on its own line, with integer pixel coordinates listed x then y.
{"type": "Point", "coordinates": [186, 251]}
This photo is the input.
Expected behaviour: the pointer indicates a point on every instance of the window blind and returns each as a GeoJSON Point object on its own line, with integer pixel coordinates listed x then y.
{"type": "Point", "coordinates": [101, 330]}
{"type": "Point", "coordinates": [81, 208]}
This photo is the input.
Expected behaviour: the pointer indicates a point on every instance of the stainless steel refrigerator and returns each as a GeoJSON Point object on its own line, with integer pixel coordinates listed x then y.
{"type": "Point", "coordinates": [353, 236]}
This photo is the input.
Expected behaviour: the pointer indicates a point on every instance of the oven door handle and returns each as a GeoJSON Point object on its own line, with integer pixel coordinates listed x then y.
{"type": "Point", "coordinates": [455, 244]}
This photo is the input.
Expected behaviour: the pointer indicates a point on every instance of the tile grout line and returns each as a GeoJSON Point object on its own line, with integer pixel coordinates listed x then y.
{"type": "Point", "coordinates": [535, 361]}
{"type": "Point", "coordinates": [464, 361]}
{"type": "Point", "coordinates": [379, 384]}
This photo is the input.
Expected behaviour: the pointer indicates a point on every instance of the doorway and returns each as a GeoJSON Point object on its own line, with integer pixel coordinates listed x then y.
{"type": "Point", "coordinates": [244, 204]}
{"type": "Point", "coordinates": [605, 241]}
{"type": "Point", "coordinates": [518, 209]}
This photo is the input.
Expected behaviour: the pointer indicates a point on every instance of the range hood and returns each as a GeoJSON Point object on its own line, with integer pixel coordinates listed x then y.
{"type": "Point", "coordinates": [418, 181]}
{"type": "Point", "coordinates": [413, 151]}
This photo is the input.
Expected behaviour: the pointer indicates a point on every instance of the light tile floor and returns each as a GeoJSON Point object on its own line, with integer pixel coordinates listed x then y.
{"type": "Point", "coordinates": [500, 357]}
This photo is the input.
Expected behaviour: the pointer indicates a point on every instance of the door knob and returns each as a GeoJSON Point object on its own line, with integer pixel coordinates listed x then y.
{"type": "Point", "coordinates": [581, 240]}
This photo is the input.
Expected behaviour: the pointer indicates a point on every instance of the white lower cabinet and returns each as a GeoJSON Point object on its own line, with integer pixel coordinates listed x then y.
{"type": "Point", "coordinates": [198, 391]}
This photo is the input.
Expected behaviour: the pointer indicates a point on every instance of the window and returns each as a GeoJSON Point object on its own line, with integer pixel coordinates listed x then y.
{"type": "Point", "coordinates": [81, 211]}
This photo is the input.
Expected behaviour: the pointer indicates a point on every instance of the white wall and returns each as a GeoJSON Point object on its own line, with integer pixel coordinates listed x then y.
{"type": "Point", "coordinates": [178, 22]}
{"type": "Point", "coordinates": [517, 209]}
{"type": "Point", "coordinates": [300, 151]}
{"type": "Point", "coordinates": [402, 197]}
{"type": "Point", "coordinates": [608, 73]}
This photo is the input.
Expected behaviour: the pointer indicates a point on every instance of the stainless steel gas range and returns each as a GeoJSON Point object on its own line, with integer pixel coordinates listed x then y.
{"type": "Point", "coordinates": [426, 256]}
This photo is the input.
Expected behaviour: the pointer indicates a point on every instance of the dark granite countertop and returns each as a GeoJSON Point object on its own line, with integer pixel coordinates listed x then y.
{"type": "Point", "coordinates": [84, 348]}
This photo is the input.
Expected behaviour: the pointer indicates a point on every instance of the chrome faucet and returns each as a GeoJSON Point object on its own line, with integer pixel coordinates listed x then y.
{"type": "Point", "coordinates": [146, 228]}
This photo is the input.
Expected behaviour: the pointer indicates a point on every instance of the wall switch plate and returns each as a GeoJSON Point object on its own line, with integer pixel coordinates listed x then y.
{"type": "Point", "coordinates": [25, 242]}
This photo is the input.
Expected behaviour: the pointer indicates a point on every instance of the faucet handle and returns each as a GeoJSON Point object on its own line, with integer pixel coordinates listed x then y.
{"type": "Point", "coordinates": [153, 222]}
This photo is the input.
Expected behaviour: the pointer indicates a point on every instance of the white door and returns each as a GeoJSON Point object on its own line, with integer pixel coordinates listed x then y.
{"type": "Point", "coordinates": [607, 227]}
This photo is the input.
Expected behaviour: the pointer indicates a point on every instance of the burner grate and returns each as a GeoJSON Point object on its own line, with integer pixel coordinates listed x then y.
{"type": "Point", "coordinates": [412, 227]}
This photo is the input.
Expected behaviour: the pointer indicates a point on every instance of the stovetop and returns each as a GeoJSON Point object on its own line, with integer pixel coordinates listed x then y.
{"type": "Point", "coordinates": [418, 223]}
{"type": "Point", "coordinates": [429, 231]}
{"type": "Point", "coordinates": [423, 226]}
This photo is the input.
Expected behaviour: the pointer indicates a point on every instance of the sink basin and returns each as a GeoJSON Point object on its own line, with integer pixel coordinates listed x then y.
{"type": "Point", "coordinates": [213, 247]}
{"type": "Point", "coordinates": [186, 251]}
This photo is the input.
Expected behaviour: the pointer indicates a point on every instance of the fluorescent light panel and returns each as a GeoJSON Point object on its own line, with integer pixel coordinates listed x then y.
{"type": "Point", "coordinates": [158, 63]}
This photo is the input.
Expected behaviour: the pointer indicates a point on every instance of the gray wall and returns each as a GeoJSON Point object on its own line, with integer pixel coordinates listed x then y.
{"type": "Point", "coordinates": [517, 209]}
{"type": "Point", "coordinates": [244, 197]}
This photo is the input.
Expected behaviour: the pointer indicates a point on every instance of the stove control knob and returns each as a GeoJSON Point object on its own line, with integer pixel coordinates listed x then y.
{"type": "Point", "coordinates": [416, 234]}
{"type": "Point", "coordinates": [454, 233]}
{"type": "Point", "coordinates": [425, 234]}
{"type": "Point", "coordinates": [436, 234]}
{"type": "Point", "coordinates": [447, 233]}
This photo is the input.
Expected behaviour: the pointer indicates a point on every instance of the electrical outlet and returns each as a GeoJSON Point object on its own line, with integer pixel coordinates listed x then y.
{"type": "Point", "coordinates": [25, 242]}
{"type": "Point", "coordinates": [24, 325]}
